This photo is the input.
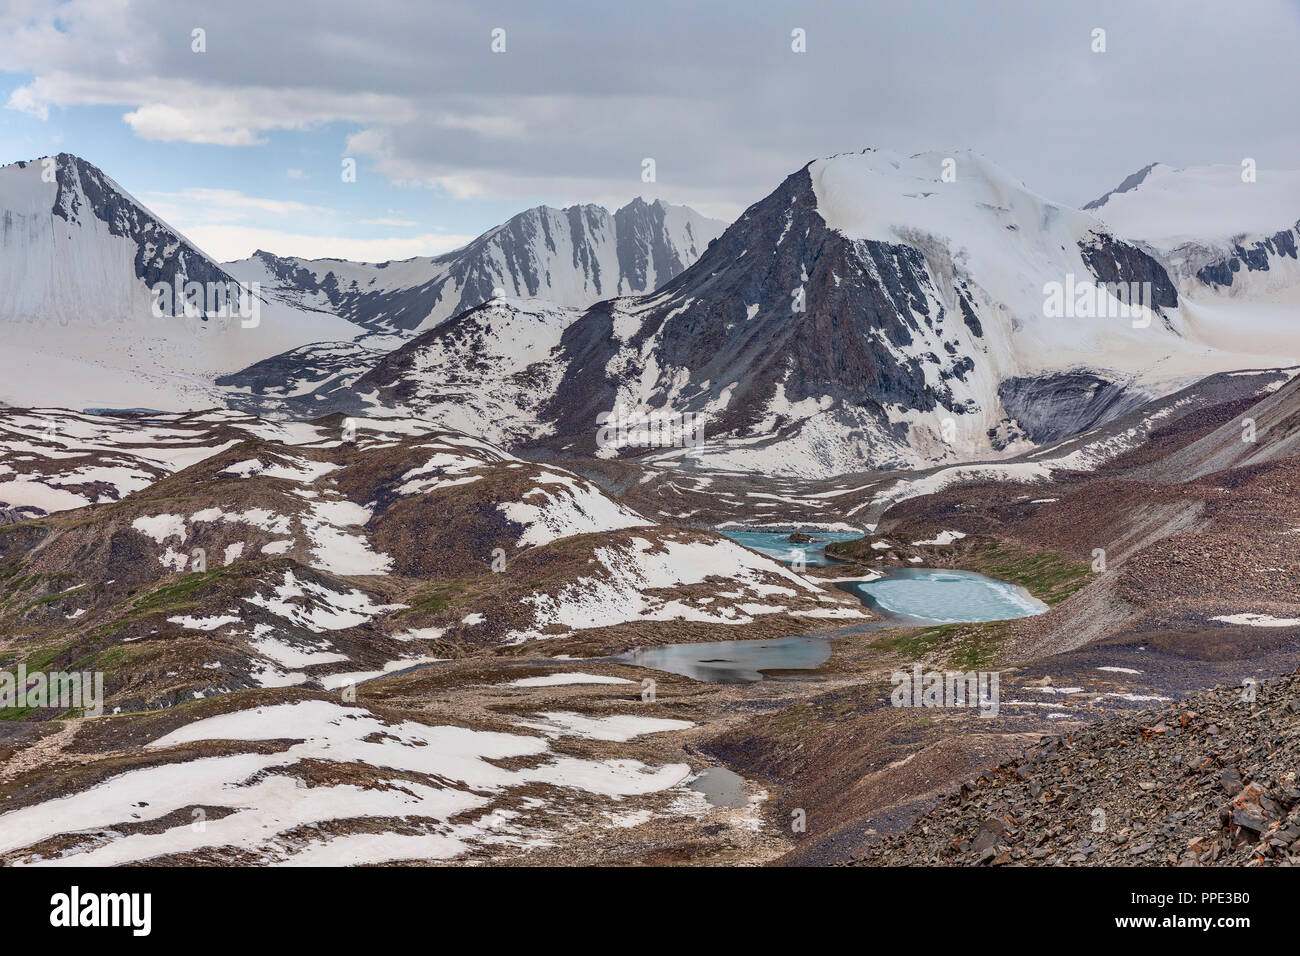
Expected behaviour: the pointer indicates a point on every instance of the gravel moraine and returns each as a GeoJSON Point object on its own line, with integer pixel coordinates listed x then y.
{"type": "Point", "coordinates": [1208, 781]}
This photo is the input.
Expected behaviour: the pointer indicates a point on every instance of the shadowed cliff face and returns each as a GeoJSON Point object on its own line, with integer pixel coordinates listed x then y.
{"type": "Point", "coordinates": [1113, 261]}
{"type": "Point", "coordinates": [1055, 406]}
{"type": "Point", "coordinates": [162, 255]}
{"type": "Point", "coordinates": [782, 303]}
{"type": "Point", "coordinates": [779, 299]}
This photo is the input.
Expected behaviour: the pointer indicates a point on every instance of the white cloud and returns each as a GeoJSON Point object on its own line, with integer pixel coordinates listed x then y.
{"type": "Point", "coordinates": [387, 221]}
{"type": "Point", "coordinates": [224, 205]}
{"type": "Point", "coordinates": [179, 109]}
{"type": "Point", "coordinates": [24, 100]}
{"type": "Point", "coordinates": [492, 127]}
{"type": "Point", "coordinates": [170, 123]}
{"type": "Point", "coordinates": [224, 223]}
{"type": "Point", "coordinates": [226, 242]}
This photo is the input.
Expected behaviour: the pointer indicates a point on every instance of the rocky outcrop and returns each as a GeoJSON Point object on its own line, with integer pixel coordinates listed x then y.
{"type": "Point", "coordinates": [1130, 182]}
{"type": "Point", "coordinates": [1060, 404]}
{"type": "Point", "coordinates": [1210, 780]}
{"type": "Point", "coordinates": [1115, 262]}
{"type": "Point", "coordinates": [1254, 257]}
{"type": "Point", "coordinates": [781, 300]}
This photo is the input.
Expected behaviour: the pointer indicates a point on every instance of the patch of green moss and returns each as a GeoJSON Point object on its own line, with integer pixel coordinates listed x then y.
{"type": "Point", "coordinates": [15, 585]}
{"type": "Point", "coordinates": [803, 719]}
{"type": "Point", "coordinates": [433, 599]}
{"type": "Point", "coordinates": [43, 658]}
{"type": "Point", "coordinates": [172, 598]}
{"type": "Point", "coordinates": [1049, 576]}
{"type": "Point", "coordinates": [112, 658]}
{"type": "Point", "coordinates": [39, 660]}
{"type": "Point", "coordinates": [52, 598]}
{"type": "Point", "coordinates": [913, 644]}
{"type": "Point", "coordinates": [966, 647]}
{"type": "Point", "coordinates": [979, 647]}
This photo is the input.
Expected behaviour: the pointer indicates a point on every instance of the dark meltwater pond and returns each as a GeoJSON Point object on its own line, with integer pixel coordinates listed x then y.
{"type": "Point", "coordinates": [721, 787]}
{"type": "Point", "coordinates": [733, 662]}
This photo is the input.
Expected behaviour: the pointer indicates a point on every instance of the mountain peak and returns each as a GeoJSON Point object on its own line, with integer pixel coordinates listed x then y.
{"type": "Point", "coordinates": [61, 159]}
{"type": "Point", "coordinates": [1132, 181]}
{"type": "Point", "coordinates": [574, 256]}
{"type": "Point", "coordinates": [1214, 206]}
{"type": "Point", "coordinates": [835, 326]}
{"type": "Point", "coordinates": [78, 226]}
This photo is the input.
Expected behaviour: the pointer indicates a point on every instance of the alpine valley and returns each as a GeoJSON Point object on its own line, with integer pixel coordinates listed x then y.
{"type": "Point", "coordinates": [382, 568]}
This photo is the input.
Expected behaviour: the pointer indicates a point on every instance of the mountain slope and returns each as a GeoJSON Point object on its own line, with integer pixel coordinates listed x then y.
{"type": "Point", "coordinates": [1167, 207]}
{"type": "Point", "coordinates": [864, 315]}
{"type": "Point", "coordinates": [330, 525]}
{"type": "Point", "coordinates": [491, 371]}
{"type": "Point", "coordinates": [290, 572]}
{"type": "Point", "coordinates": [572, 256]}
{"type": "Point", "coordinates": [78, 260]}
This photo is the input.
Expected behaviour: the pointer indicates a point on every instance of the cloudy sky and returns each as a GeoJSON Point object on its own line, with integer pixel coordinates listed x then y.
{"type": "Point", "coordinates": [241, 146]}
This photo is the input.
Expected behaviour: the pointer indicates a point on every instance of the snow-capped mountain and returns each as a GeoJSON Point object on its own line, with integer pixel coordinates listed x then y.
{"type": "Point", "coordinates": [866, 314]}
{"type": "Point", "coordinates": [80, 260]}
{"type": "Point", "coordinates": [1174, 209]}
{"type": "Point", "coordinates": [572, 256]}
{"type": "Point", "coordinates": [1228, 238]}
{"type": "Point", "coordinates": [874, 311]}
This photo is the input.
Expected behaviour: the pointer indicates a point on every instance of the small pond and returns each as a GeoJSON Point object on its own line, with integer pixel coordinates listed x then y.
{"type": "Point", "coordinates": [721, 787]}
{"type": "Point", "coordinates": [774, 544]}
{"type": "Point", "coordinates": [733, 662]}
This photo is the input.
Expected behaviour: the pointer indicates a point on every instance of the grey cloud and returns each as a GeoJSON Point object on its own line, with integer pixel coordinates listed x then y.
{"type": "Point", "coordinates": [710, 90]}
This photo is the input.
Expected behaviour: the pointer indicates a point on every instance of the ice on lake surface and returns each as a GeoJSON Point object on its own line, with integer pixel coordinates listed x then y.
{"type": "Point", "coordinates": [942, 596]}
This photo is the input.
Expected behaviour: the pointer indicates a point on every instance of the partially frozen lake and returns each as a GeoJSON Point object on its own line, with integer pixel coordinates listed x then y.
{"type": "Point", "coordinates": [938, 596]}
